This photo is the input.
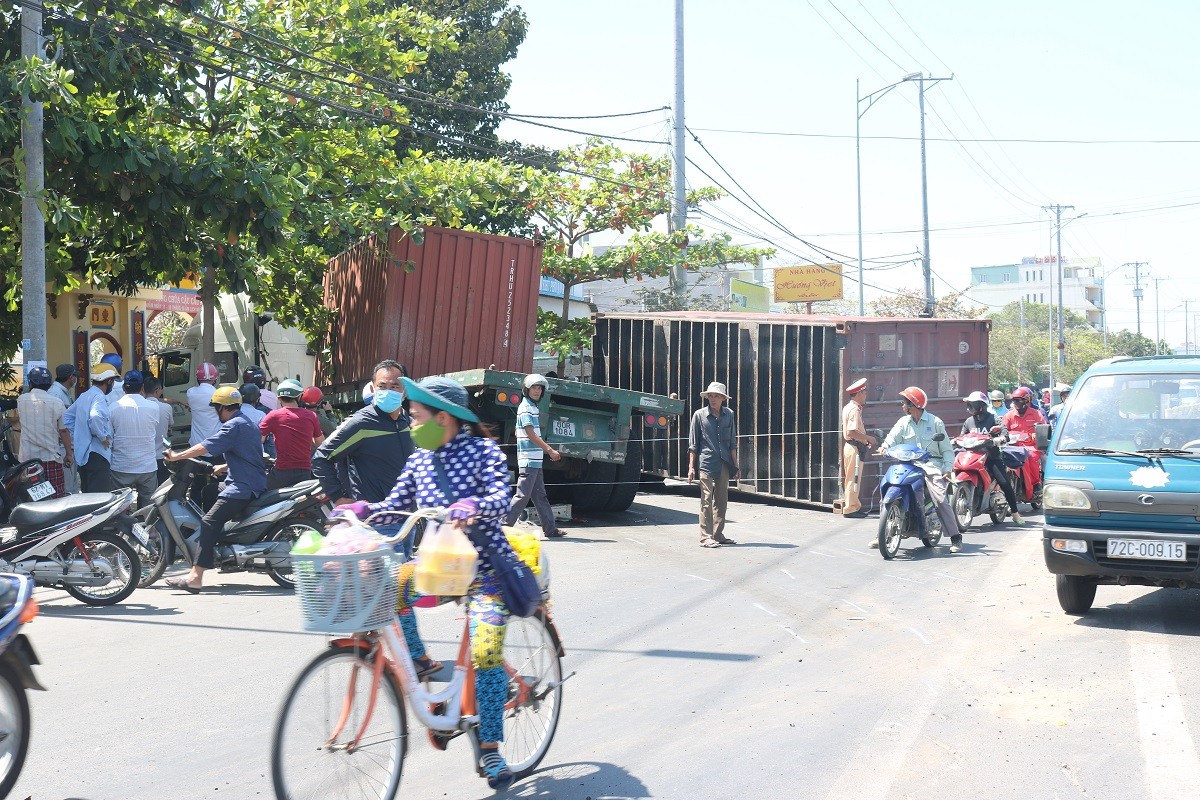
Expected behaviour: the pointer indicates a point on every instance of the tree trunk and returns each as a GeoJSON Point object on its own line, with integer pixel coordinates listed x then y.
{"type": "Point", "coordinates": [562, 327]}
{"type": "Point", "coordinates": [208, 302]}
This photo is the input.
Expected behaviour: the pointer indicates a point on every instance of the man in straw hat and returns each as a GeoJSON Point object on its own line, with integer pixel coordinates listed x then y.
{"type": "Point", "coordinates": [713, 442]}
{"type": "Point", "coordinates": [855, 441]}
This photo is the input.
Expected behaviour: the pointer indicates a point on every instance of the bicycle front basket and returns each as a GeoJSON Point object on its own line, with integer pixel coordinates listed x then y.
{"type": "Point", "coordinates": [346, 593]}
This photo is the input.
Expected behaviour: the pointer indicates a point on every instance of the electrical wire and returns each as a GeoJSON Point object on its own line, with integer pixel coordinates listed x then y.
{"type": "Point", "coordinates": [976, 140]}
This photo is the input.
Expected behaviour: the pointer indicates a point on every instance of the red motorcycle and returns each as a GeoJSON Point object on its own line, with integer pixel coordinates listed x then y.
{"type": "Point", "coordinates": [974, 490]}
{"type": "Point", "coordinates": [1023, 460]}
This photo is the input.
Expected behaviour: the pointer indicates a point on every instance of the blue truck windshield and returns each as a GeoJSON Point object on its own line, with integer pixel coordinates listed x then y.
{"type": "Point", "coordinates": [1157, 412]}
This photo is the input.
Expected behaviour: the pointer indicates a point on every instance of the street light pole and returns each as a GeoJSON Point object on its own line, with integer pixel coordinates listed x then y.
{"type": "Point", "coordinates": [679, 205]}
{"type": "Point", "coordinates": [870, 100]}
{"type": "Point", "coordinates": [1157, 318]}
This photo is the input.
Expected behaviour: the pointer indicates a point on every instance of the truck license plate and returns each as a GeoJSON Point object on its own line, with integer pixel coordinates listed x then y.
{"type": "Point", "coordinates": [564, 428]}
{"type": "Point", "coordinates": [1147, 549]}
{"type": "Point", "coordinates": [40, 491]}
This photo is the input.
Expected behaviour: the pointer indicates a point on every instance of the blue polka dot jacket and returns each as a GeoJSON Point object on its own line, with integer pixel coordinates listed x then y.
{"type": "Point", "coordinates": [475, 468]}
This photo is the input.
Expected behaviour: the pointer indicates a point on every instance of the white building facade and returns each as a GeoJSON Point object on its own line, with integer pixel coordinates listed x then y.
{"type": "Point", "coordinates": [1035, 280]}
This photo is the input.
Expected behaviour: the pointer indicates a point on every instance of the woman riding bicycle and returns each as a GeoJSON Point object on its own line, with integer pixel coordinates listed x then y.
{"type": "Point", "coordinates": [456, 451]}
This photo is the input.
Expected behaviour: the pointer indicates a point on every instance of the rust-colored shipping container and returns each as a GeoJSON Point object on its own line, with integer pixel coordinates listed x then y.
{"type": "Point", "coordinates": [786, 375]}
{"type": "Point", "coordinates": [457, 301]}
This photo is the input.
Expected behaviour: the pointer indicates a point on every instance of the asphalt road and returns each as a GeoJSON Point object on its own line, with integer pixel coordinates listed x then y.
{"type": "Point", "coordinates": [797, 664]}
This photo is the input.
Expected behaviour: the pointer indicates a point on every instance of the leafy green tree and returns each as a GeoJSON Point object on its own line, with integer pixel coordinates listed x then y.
{"type": "Point", "coordinates": [601, 188]}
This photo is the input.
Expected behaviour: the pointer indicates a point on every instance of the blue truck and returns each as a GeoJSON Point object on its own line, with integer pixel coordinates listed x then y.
{"type": "Point", "coordinates": [1122, 484]}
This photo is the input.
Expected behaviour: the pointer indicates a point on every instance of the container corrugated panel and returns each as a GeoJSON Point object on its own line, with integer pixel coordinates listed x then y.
{"type": "Point", "coordinates": [469, 301]}
{"type": "Point", "coordinates": [786, 375]}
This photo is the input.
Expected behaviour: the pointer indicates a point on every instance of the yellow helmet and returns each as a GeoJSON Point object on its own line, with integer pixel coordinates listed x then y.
{"type": "Point", "coordinates": [226, 396]}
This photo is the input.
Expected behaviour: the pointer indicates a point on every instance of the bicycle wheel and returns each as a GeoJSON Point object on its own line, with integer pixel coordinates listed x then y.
{"type": "Point", "coordinates": [534, 692]}
{"type": "Point", "coordinates": [309, 761]}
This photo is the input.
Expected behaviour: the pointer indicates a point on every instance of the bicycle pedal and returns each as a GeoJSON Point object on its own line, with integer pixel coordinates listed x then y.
{"type": "Point", "coordinates": [439, 739]}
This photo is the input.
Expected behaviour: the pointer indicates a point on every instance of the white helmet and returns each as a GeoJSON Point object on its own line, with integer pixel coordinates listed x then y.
{"type": "Point", "coordinates": [976, 397]}
{"type": "Point", "coordinates": [368, 392]}
{"type": "Point", "coordinates": [535, 380]}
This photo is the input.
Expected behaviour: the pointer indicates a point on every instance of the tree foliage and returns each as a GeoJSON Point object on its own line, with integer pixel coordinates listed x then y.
{"type": "Point", "coordinates": [601, 188]}
{"type": "Point", "coordinates": [223, 140]}
{"type": "Point", "coordinates": [1021, 353]}
{"type": "Point", "coordinates": [910, 303]}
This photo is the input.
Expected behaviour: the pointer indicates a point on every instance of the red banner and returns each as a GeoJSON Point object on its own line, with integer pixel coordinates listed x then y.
{"type": "Point", "coordinates": [79, 347]}
{"type": "Point", "coordinates": [139, 339]}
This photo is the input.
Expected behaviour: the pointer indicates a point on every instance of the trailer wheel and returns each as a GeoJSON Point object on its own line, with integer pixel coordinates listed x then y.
{"type": "Point", "coordinates": [593, 491]}
{"type": "Point", "coordinates": [629, 477]}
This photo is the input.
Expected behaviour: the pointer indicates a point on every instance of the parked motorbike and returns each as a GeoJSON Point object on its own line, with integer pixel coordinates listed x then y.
{"type": "Point", "coordinates": [17, 658]}
{"type": "Point", "coordinates": [20, 481]}
{"type": "Point", "coordinates": [259, 540]}
{"type": "Point", "coordinates": [76, 542]}
{"type": "Point", "coordinates": [906, 510]}
{"type": "Point", "coordinates": [975, 492]}
{"type": "Point", "coordinates": [1023, 460]}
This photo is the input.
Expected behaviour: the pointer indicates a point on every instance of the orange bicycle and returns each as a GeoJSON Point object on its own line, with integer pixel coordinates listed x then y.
{"type": "Point", "coordinates": [342, 731]}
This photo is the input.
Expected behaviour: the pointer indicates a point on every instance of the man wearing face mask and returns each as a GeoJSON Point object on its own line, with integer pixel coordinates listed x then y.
{"type": "Point", "coordinates": [362, 459]}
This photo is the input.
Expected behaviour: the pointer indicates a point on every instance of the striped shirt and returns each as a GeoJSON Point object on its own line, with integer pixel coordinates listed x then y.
{"type": "Point", "coordinates": [528, 453]}
{"type": "Point", "coordinates": [41, 419]}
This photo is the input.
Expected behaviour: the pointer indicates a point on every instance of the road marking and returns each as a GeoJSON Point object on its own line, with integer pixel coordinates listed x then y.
{"type": "Point", "coordinates": [790, 575]}
{"type": "Point", "coordinates": [919, 635]}
{"type": "Point", "coordinates": [819, 553]}
{"type": "Point", "coordinates": [697, 577]}
{"type": "Point", "coordinates": [635, 541]}
{"type": "Point", "coordinates": [953, 591]}
{"type": "Point", "coordinates": [855, 605]}
{"type": "Point", "coordinates": [951, 577]}
{"type": "Point", "coordinates": [860, 552]}
{"type": "Point", "coordinates": [1167, 746]}
{"type": "Point", "coordinates": [765, 610]}
{"type": "Point", "coordinates": [799, 638]}
{"type": "Point", "coordinates": [902, 578]}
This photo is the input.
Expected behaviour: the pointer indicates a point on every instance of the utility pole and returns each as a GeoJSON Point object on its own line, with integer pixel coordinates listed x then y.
{"type": "Point", "coordinates": [1137, 289]}
{"type": "Point", "coordinates": [679, 206]}
{"type": "Point", "coordinates": [1062, 345]}
{"type": "Point", "coordinates": [1187, 343]}
{"type": "Point", "coordinates": [1157, 318]}
{"type": "Point", "coordinates": [927, 272]}
{"type": "Point", "coordinates": [33, 224]}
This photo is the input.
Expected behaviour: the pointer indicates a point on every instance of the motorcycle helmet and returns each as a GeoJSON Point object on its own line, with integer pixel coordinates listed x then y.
{"type": "Point", "coordinates": [113, 359]}
{"type": "Point", "coordinates": [254, 374]}
{"type": "Point", "coordinates": [312, 396]}
{"type": "Point", "coordinates": [250, 393]}
{"type": "Point", "coordinates": [976, 402]}
{"type": "Point", "coordinates": [289, 388]}
{"type": "Point", "coordinates": [915, 396]}
{"type": "Point", "coordinates": [1022, 393]}
{"type": "Point", "coordinates": [226, 396]}
{"type": "Point", "coordinates": [534, 380]}
{"type": "Point", "coordinates": [206, 372]}
{"type": "Point", "coordinates": [996, 395]}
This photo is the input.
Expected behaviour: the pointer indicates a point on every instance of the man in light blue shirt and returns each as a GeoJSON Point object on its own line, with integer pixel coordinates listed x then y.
{"type": "Point", "coordinates": [919, 427]}
{"type": "Point", "coordinates": [531, 484]}
{"type": "Point", "coordinates": [91, 432]}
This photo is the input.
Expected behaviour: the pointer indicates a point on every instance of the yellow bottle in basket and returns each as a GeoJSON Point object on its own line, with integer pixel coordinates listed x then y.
{"type": "Point", "coordinates": [445, 563]}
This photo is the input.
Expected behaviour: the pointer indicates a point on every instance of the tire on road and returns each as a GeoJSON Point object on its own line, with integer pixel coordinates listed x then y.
{"type": "Point", "coordinates": [629, 477]}
{"type": "Point", "coordinates": [1075, 593]}
{"type": "Point", "coordinates": [593, 492]}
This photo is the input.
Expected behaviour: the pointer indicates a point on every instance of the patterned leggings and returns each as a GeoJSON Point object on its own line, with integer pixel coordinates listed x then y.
{"type": "Point", "coordinates": [488, 617]}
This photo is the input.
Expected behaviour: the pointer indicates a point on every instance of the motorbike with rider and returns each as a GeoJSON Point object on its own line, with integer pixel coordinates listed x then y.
{"type": "Point", "coordinates": [981, 420]}
{"type": "Point", "coordinates": [921, 428]}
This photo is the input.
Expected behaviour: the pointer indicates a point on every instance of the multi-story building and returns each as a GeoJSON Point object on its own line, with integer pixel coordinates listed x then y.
{"type": "Point", "coordinates": [1035, 280]}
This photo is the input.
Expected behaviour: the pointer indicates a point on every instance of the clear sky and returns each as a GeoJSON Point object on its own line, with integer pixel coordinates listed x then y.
{"type": "Point", "coordinates": [1065, 70]}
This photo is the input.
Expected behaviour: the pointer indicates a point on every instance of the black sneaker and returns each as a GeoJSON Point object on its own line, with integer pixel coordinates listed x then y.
{"type": "Point", "coordinates": [956, 543]}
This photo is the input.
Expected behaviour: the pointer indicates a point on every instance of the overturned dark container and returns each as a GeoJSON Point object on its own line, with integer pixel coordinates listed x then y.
{"type": "Point", "coordinates": [786, 376]}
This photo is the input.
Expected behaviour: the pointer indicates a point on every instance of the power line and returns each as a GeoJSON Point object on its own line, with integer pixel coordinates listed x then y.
{"type": "Point", "coordinates": [591, 116]}
{"type": "Point", "coordinates": [897, 64]}
{"type": "Point", "coordinates": [975, 140]}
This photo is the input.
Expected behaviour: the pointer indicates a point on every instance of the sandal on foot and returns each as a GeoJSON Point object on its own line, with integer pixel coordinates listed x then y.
{"type": "Point", "coordinates": [494, 768]}
{"type": "Point", "coordinates": [710, 544]}
{"type": "Point", "coordinates": [426, 667]}
{"type": "Point", "coordinates": [181, 583]}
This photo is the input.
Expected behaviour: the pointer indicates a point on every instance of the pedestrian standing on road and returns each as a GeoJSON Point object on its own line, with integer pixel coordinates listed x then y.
{"type": "Point", "coordinates": [114, 360]}
{"type": "Point", "coordinates": [365, 455]}
{"type": "Point", "coordinates": [166, 418]}
{"type": "Point", "coordinates": [66, 378]}
{"type": "Point", "coordinates": [44, 434]}
{"type": "Point", "coordinates": [712, 447]}
{"type": "Point", "coordinates": [531, 447]}
{"type": "Point", "coordinates": [91, 433]}
{"type": "Point", "coordinates": [296, 431]}
{"type": "Point", "coordinates": [921, 428]}
{"type": "Point", "coordinates": [135, 447]}
{"type": "Point", "coordinates": [856, 442]}
{"type": "Point", "coordinates": [241, 444]}
{"type": "Point", "coordinates": [204, 419]}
